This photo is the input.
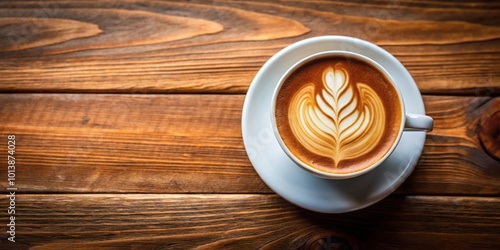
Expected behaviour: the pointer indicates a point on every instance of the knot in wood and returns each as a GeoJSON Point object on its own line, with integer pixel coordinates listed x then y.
{"type": "Point", "coordinates": [489, 132]}
{"type": "Point", "coordinates": [330, 243]}
{"type": "Point", "coordinates": [334, 241]}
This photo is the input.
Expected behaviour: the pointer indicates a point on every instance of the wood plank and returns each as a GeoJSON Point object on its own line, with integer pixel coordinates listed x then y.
{"type": "Point", "coordinates": [117, 143]}
{"type": "Point", "coordinates": [173, 221]}
{"type": "Point", "coordinates": [217, 47]}
{"type": "Point", "coordinates": [192, 144]}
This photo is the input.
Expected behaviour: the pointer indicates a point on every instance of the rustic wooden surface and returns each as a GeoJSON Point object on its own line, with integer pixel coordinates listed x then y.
{"type": "Point", "coordinates": [127, 116]}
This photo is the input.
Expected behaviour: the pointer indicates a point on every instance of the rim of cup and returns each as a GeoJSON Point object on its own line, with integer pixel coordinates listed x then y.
{"type": "Point", "coordinates": [346, 54]}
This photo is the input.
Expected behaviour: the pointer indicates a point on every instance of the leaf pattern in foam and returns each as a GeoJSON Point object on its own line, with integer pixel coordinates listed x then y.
{"type": "Point", "coordinates": [343, 122]}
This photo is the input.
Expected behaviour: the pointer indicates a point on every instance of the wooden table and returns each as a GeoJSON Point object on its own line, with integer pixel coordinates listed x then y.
{"type": "Point", "coordinates": [127, 124]}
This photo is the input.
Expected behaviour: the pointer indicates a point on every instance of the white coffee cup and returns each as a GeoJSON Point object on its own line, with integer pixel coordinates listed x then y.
{"type": "Point", "coordinates": [408, 122]}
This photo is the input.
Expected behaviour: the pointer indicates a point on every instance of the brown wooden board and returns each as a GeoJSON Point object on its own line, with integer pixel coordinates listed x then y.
{"type": "Point", "coordinates": [217, 47]}
{"type": "Point", "coordinates": [204, 221]}
{"type": "Point", "coordinates": [192, 144]}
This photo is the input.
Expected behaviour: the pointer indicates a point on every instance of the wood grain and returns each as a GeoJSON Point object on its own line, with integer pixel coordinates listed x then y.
{"type": "Point", "coordinates": [48, 32]}
{"type": "Point", "coordinates": [248, 221]}
{"type": "Point", "coordinates": [192, 144]}
{"type": "Point", "coordinates": [217, 47]}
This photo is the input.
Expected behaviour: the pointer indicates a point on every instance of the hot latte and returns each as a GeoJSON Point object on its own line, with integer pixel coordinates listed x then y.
{"type": "Point", "coordinates": [338, 114]}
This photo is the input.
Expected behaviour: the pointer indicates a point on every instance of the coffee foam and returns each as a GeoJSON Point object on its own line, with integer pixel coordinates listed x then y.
{"type": "Point", "coordinates": [338, 117]}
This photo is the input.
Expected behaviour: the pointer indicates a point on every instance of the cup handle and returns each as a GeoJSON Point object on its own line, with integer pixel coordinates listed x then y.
{"type": "Point", "coordinates": [416, 122]}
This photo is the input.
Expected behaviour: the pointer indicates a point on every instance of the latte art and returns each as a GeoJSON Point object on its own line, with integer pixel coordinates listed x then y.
{"type": "Point", "coordinates": [342, 122]}
{"type": "Point", "coordinates": [338, 114]}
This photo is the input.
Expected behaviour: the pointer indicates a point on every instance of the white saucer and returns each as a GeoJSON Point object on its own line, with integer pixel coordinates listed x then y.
{"type": "Point", "coordinates": [293, 183]}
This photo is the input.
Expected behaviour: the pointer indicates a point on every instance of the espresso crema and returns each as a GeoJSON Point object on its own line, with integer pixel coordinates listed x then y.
{"type": "Point", "coordinates": [338, 114]}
